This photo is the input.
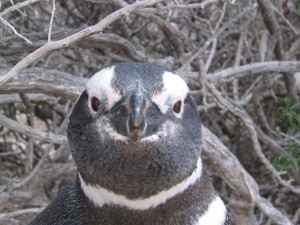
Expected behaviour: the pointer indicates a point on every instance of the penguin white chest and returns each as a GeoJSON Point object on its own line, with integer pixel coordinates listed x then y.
{"type": "Point", "coordinates": [215, 214]}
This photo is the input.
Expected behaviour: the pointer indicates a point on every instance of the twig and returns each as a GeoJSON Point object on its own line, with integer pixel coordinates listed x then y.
{"type": "Point", "coordinates": [237, 177]}
{"type": "Point", "coordinates": [229, 74]}
{"type": "Point", "coordinates": [174, 36]}
{"type": "Point", "coordinates": [30, 132]}
{"type": "Point", "coordinates": [12, 2]}
{"type": "Point", "coordinates": [290, 137]}
{"type": "Point", "coordinates": [18, 6]}
{"type": "Point", "coordinates": [210, 39]}
{"type": "Point", "coordinates": [296, 216]}
{"type": "Point", "coordinates": [211, 55]}
{"type": "Point", "coordinates": [237, 61]}
{"type": "Point", "coordinates": [274, 28]}
{"type": "Point", "coordinates": [14, 30]}
{"type": "Point", "coordinates": [202, 80]}
{"type": "Point", "coordinates": [35, 170]}
{"type": "Point", "coordinates": [51, 20]}
{"type": "Point", "coordinates": [256, 145]}
{"type": "Point", "coordinates": [115, 42]}
{"type": "Point", "coordinates": [278, 150]}
{"type": "Point", "coordinates": [285, 20]}
{"type": "Point", "coordinates": [50, 46]}
{"type": "Point", "coordinates": [30, 118]}
{"type": "Point", "coordinates": [20, 213]}
{"type": "Point", "coordinates": [195, 55]}
{"type": "Point", "coordinates": [216, 28]}
{"type": "Point", "coordinates": [29, 109]}
{"type": "Point", "coordinates": [201, 5]}
{"type": "Point", "coordinates": [263, 45]}
{"type": "Point", "coordinates": [294, 48]}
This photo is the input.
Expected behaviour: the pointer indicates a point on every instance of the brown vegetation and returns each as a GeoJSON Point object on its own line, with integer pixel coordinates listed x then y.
{"type": "Point", "coordinates": [238, 57]}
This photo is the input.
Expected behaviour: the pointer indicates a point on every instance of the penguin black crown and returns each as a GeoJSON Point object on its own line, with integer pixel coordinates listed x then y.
{"type": "Point", "coordinates": [135, 136]}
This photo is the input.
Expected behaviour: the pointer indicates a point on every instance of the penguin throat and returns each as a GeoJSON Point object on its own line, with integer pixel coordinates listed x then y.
{"type": "Point", "coordinates": [162, 132]}
{"type": "Point", "coordinates": [101, 196]}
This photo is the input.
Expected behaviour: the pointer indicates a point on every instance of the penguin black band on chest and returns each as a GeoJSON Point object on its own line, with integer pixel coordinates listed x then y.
{"type": "Point", "coordinates": [135, 136]}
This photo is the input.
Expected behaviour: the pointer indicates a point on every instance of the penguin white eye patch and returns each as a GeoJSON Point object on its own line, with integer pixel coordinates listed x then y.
{"type": "Point", "coordinates": [173, 93]}
{"type": "Point", "coordinates": [99, 86]}
{"type": "Point", "coordinates": [109, 99]}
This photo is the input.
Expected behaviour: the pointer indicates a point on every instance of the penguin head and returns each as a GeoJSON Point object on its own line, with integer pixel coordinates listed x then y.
{"type": "Point", "coordinates": [135, 130]}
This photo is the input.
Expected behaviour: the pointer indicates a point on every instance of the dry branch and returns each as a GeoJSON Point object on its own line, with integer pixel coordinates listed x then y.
{"type": "Point", "coordinates": [14, 30]}
{"type": "Point", "coordinates": [20, 213]}
{"type": "Point", "coordinates": [237, 177]}
{"type": "Point", "coordinates": [35, 170]}
{"type": "Point", "coordinates": [191, 38]}
{"type": "Point", "coordinates": [253, 135]}
{"type": "Point", "coordinates": [114, 41]}
{"type": "Point", "coordinates": [232, 73]}
{"type": "Point", "coordinates": [47, 81]}
{"type": "Point", "coordinates": [51, 20]}
{"type": "Point", "coordinates": [53, 45]}
{"type": "Point", "coordinates": [274, 28]}
{"type": "Point", "coordinates": [30, 132]}
{"type": "Point", "coordinates": [18, 7]}
{"type": "Point", "coordinates": [14, 98]}
{"type": "Point", "coordinates": [177, 6]}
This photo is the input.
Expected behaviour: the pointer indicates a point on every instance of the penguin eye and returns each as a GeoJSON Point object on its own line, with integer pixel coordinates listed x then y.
{"type": "Point", "coordinates": [177, 106]}
{"type": "Point", "coordinates": [95, 103]}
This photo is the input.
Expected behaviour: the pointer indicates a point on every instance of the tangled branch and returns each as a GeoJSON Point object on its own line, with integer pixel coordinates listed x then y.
{"type": "Point", "coordinates": [240, 61]}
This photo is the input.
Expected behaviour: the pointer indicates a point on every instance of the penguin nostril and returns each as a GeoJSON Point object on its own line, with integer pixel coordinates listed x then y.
{"type": "Point", "coordinates": [177, 106]}
{"type": "Point", "coordinates": [95, 103]}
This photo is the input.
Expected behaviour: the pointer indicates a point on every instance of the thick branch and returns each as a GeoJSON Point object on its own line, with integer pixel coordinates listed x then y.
{"type": "Point", "coordinates": [232, 73]}
{"type": "Point", "coordinates": [50, 82]}
{"type": "Point", "coordinates": [236, 176]}
{"type": "Point", "coordinates": [30, 132]}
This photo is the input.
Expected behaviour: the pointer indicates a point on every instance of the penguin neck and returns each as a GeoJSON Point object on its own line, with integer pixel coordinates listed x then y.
{"type": "Point", "coordinates": [101, 196]}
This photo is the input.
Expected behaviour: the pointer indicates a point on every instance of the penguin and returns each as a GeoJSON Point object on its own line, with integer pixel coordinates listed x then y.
{"type": "Point", "coordinates": [135, 137]}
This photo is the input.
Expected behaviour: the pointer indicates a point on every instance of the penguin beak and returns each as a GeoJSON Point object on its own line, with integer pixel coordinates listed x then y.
{"type": "Point", "coordinates": [137, 104]}
{"type": "Point", "coordinates": [135, 116]}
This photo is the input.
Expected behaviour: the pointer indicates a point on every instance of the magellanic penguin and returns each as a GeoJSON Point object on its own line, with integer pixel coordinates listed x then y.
{"type": "Point", "coordinates": [135, 136]}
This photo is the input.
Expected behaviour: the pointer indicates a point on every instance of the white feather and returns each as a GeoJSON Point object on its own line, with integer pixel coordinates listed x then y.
{"type": "Point", "coordinates": [104, 126]}
{"type": "Point", "coordinates": [99, 85]}
{"type": "Point", "coordinates": [101, 196]}
{"type": "Point", "coordinates": [215, 214]}
{"type": "Point", "coordinates": [174, 89]}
